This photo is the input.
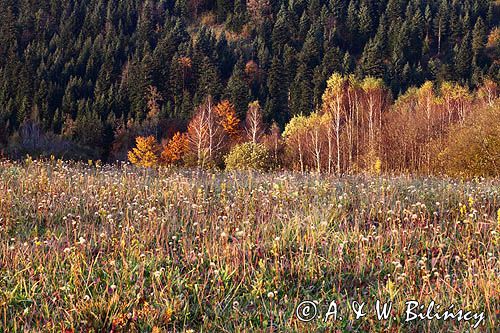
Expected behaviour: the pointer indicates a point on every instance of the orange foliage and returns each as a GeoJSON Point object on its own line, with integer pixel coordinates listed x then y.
{"type": "Point", "coordinates": [252, 71]}
{"type": "Point", "coordinates": [154, 98]}
{"type": "Point", "coordinates": [175, 149]}
{"type": "Point", "coordinates": [185, 62]}
{"type": "Point", "coordinates": [229, 121]}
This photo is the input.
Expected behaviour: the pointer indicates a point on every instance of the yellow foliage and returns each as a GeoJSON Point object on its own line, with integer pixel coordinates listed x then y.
{"type": "Point", "coordinates": [297, 124]}
{"type": "Point", "coordinates": [145, 154]}
{"type": "Point", "coordinates": [473, 148]}
{"type": "Point", "coordinates": [371, 83]}
{"type": "Point", "coordinates": [377, 167]}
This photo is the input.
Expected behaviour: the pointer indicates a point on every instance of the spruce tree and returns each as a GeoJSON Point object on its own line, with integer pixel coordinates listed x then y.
{"type": "Point", "coordinates": [277, 103]}
{"type": "Point", "coordinates": [237, 89]}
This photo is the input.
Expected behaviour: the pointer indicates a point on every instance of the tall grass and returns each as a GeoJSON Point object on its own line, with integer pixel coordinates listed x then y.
{"type": "Point", "coordinates": [114, 248]}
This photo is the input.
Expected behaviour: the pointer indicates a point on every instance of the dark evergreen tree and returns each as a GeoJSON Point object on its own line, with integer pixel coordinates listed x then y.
{"type": "Point", "coordinates": [277, 101]}
{"type": "Point", "coordinates": [479, 39]}
{"type": "Point", "coordinates": [371, 63]}
{"type": "Point", "coordinates": [237, 89]}
{"type": "Point", "coordinates": [463, 58]}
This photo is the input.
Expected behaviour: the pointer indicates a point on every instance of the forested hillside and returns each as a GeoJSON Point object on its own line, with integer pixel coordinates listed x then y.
{"type": "Point", "coordinates": [84, 78]}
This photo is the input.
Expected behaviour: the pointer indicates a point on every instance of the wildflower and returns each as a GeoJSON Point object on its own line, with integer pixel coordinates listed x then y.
{"type": "Point", "coordinates": [67, 250]}
{"type": "Point", "coordinates": [397, 264]}
{"type": "Point", "coordinates": [270, 295]}
{"type": "Point", "coordinates": [463, 210]}
{"type": "Point", "coordinates": [81, 241]}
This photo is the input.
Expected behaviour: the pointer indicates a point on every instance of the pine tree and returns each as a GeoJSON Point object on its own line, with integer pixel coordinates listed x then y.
{"type": "Point", "coordinates": [365, 21]}
{"type": "Point", "coordinates": [463, 58]}
{"type": "Point", "coordinates": [371, 63]}
{"type": "Point", "coordinates": [277, 103]}
{"type": "Point", "coordinates": [281, 31]}
{"type": "Point", "coordinates": [209, 82]}
{"type": "Point", "coordinates": [479, 39]}
{"type": "Point", "coordinates": [237, 89]}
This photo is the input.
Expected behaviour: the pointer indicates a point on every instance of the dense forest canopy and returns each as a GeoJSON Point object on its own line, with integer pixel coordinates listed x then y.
{"type": "Point", "coordinates": [89, 76]}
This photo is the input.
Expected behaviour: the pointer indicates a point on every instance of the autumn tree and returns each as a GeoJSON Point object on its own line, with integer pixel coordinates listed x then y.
{"type": "Point", "coordinates": [206, 136]}
{"type": "Point", "coordinates": [473, 150]}
{"type": "Point", "coordinates": [294, 134]}
{"type": "Point", "coordinates": [274, 143]}
{"type": "Point", "coordinates": [316, 127]}
{"type": "Point", "coordinates": [153, 115]}
{"type": "Point", "coordinates": [185, 65]}
{"type": "Point", "coordinates": [457, 100]}
{"type": "Point", "coordinates": [376, 101]}
{"type": "Point", "coordinates": [334, 105]}
{"type": "Point", "coordinates": [228, 119]}
{"type": "Point", "coordinates": [154, 99]}
{"type": "Point", "coordinates": [489, 92]}
{"type": "Point", "coordinates": [259, 10]}
{"type": "Point", "coordinates": [145, 154]}
{"type": "Point", "coordinates": [254, 126]}
{"type": "Point", "coordinates": [403, 139]}
{"type": "Point", "coordinates": [174, 150]}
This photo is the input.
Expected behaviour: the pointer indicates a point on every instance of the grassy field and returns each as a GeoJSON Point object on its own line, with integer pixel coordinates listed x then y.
{"type": "Point", "coordinates": [86, 248]}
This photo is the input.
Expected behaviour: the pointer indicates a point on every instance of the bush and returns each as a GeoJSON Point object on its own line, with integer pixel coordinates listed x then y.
{"type": "Point", "coordinates": [473, 148]}
{"type": "Point", "coordinates": [248, 156]}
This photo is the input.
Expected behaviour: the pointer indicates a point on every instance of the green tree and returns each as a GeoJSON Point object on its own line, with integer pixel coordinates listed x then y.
{"type": "Point", "coordinates": [248, 156]}
{"type": "Point", "coordinates": [277, 103]}
{"type": "Point", "coordinates": [237, 89]}
{"type": "Point", "coordinates": [479, 39]}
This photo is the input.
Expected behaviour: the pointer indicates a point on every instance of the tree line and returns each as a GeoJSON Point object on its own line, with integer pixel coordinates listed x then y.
{"type": "Point", "coordinates": [357, 128]}
{"type": "Point", "coordinates": [84, 78]}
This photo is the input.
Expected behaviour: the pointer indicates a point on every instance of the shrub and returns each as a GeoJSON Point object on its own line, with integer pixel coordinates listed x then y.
{"type": "Point", "coordinates": [473, 148]}
{"type": "Point", "coordinates": [248, 156]}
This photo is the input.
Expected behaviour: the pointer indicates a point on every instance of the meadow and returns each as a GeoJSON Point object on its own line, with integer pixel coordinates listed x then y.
{"type": "Point", "coordinates": [91, 248]}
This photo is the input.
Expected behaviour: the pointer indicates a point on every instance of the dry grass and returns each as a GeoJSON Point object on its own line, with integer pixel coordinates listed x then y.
{"type": "Point", "coordinates": [89, 248]}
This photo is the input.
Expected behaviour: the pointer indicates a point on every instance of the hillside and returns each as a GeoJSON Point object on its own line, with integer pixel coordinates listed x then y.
{"type": "Point", "coordinates": [84, 70]}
